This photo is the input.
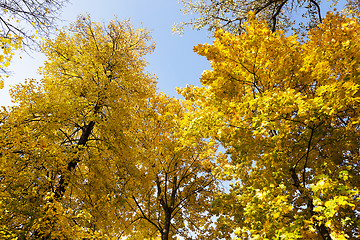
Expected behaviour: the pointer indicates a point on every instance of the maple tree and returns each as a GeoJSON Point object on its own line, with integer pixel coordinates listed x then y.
{"type": "Point", "coordinates": [90, 151]}
{"type": "Point", "coordinates": [175, 187]}
{"type": "Point", "coordinates": [67, 145]}
{"type": "Point", "coordinates": [286, 110]}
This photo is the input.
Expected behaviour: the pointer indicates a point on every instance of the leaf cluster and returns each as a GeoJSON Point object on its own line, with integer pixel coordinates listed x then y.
{"type": "Point", "coordinates": [286, 110]}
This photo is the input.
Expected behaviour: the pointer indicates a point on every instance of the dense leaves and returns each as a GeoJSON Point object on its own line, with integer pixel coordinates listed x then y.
{"type": "Point", "coordinates": [175, 186]}
{"type": "Point", "coordinates": [287, 111]}
{"type": "Point", "coordinates": [66, 144]}
{"type": "Point", "coordinates": [92, 151]}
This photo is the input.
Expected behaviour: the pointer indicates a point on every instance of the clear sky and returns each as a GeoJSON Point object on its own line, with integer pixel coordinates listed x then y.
{"type": "Point", "coordinates": [173, 61]}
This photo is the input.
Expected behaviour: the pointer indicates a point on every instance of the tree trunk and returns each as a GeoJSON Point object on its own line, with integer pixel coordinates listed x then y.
{"type": "Point", "coordinates": [65, 177]}
{"type": "Point", "coordinates": [166, 229]}
{"type": "Point", "coordinates": [322, 229]}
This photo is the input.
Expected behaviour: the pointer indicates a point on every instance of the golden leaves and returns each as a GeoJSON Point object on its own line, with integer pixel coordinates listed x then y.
{"type": "Point", "coordinates": [102, 154]}
{"type": "Point", "coordinates": [286, 110]}
{"type": "Point", "coordinates": [73, 127]}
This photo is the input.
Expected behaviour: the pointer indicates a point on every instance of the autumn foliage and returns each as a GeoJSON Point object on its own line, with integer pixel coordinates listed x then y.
{"type": "Point", "coordinates": [66, 144]}
{"type": "Point", "coordinates": [287, 112]}
{"type": "Point", "coordinates": [93, 151]}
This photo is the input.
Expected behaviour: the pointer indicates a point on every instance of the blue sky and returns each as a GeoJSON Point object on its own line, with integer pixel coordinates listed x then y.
{"type": "Point", "coordinates": [173, 61]}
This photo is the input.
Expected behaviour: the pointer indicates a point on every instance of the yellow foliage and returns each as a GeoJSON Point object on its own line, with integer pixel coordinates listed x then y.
{"type": "Point", "coordinates": [90, 151]}
{"type": "Point", "coordinates": [67, 147]}
{"type": "Point", "coordinates": [287, 112]}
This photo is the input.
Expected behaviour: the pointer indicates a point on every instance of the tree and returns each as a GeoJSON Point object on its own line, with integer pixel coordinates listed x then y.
{"type": "Point", "coordinates": [175, 185]}
{"type": "Point", "coordinates": [287, 112]}
{"type": "Point", "coordinates": [231, 14]}
{"type": "Point", "coordinates": [91, 151]}
{"type": "Point", "coordinates": [66, 146]}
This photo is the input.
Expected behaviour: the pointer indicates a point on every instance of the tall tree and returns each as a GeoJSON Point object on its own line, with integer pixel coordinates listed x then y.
{"type": "Point", "coordinates": [287, 112]}
{"type": "Point", "coordinates": [175, 186]}
{"type": "Point", "coordinates": [59, 161]}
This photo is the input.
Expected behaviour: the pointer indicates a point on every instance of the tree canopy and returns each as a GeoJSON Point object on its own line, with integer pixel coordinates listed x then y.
{"type": "Point", "coordinates": [286, 110]}
{"type": "Point", "coordinates": [175, 186]}
{"type": "Point", "coordinates": [93, 150]}
{"type": "Point", "coordinates": [66, 144]}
